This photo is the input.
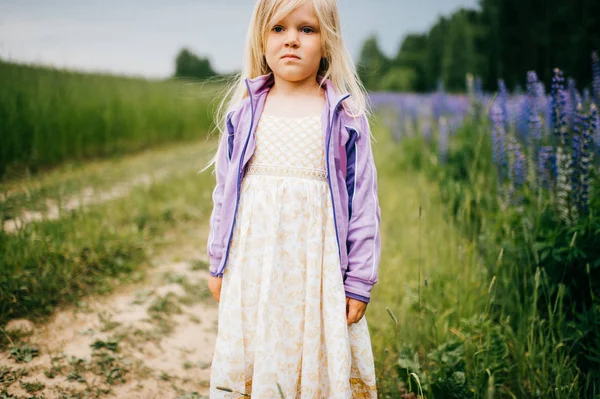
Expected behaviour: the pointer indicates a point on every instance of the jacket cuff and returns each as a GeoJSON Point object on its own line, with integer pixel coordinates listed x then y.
{"type": "Point", "coordinates": [358, 287]}
{"type": "Point", "coordinates": [357, 297]}
{"type": "Point", "coordinates": [214, 266]}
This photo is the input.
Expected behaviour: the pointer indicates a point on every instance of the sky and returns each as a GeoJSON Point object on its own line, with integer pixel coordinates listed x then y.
{"type": "Point", "coordinates": [142, 38]}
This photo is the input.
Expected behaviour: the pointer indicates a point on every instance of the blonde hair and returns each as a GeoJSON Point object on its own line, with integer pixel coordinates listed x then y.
{"type": "Point", "coordinates": [336, 64]}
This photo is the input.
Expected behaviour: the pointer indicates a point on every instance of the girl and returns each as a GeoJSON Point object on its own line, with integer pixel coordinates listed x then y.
{"type": "Point", "coordinates": [294, 234]}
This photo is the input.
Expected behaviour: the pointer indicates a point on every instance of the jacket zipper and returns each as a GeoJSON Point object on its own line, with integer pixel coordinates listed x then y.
{"type": "Point", "coordinates": [237, 193]}
{"type": "Point", "coordinates": [329, 175]}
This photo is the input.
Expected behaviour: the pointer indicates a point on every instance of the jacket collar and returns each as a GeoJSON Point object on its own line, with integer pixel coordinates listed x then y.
{"type": "Point", "coordinates": [263, 84]}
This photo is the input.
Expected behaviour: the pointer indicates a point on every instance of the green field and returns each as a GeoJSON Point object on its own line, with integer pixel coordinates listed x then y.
{"type": "Point", "coordinates": [50, 116]}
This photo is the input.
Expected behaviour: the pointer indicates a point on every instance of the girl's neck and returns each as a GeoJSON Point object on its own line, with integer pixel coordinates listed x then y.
{"type": "Point", "coordinates": [291, 99]}
{"type": "Point", "coordinates": [306, 88]}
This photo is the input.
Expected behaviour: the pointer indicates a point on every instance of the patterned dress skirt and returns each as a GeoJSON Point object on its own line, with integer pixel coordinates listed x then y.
{"type": "Point", "coordinates": [282, 328]}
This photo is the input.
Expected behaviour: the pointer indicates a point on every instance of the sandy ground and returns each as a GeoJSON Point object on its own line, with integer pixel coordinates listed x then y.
{"type": "Point", "coordinates": [149, 340]}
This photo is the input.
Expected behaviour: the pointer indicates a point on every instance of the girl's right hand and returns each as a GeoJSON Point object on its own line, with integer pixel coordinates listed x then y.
{"type": "Point", "coordinates": [214, 285]}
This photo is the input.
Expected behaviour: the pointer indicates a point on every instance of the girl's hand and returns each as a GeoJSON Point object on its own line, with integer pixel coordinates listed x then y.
{"type": "Point", "coordinates": [214, 285]}
{"type": "Point", "coordinates": [355, 310]}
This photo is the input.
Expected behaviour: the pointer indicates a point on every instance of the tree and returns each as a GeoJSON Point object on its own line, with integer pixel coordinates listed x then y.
{"type": "Point", "coordinates": [372, 63]}
{"type": "Point", "coordinates": [412, 56]}
{"type": "Point", "coordinates": [460, 52]}
{"type": "Point", "coordinates": [189, 65]}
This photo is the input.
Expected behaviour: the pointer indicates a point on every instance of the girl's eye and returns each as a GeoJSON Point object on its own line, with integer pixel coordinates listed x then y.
{"type": "Point", "coordinates": [307, 30]}
{"type": "Point", "coordinates": [278, 29]}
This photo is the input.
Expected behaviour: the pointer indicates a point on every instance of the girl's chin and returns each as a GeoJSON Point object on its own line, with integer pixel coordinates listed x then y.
{"type": "Point", "coordinates": [292, 75]}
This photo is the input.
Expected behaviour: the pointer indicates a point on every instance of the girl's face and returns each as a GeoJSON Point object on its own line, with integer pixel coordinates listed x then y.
{"type": "Point", "coordinates": [293, 49]}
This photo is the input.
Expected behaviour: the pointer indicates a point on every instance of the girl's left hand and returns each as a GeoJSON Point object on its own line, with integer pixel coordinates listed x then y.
{"type": "Point", "coordinates": [355, 310]}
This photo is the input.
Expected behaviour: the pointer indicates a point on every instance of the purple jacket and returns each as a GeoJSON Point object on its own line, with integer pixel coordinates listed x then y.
{"type": "Point", "coordinates": [351, 175]}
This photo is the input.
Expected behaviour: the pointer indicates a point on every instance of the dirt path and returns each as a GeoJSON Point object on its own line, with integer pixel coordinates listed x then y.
{"type": "Point", "coordinates": [87, 196]}
{"type": "Point", "coordinates": [50, 195]}
{"type": "Point", "coordinates": [150, 340]}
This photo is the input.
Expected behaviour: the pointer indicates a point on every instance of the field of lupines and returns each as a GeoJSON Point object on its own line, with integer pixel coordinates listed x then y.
{"type": "Point", "coordinates": [519, 173]}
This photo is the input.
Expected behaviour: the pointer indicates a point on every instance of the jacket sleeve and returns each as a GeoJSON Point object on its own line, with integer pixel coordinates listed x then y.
{"type": "Point", "coordinates": [214, 246]}
{"type": "Point", "coordinates": [363, 240]}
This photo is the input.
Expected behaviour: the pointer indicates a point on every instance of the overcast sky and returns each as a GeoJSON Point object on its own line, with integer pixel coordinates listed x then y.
{"type": "Point", "coordinates": [143, 37]}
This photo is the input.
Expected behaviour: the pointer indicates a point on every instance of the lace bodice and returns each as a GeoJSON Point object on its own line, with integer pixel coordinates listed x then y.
{"type": "Point", "coordinates": [289, 146]}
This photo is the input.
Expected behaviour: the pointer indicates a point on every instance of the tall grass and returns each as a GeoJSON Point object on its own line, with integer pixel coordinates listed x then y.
{"type": "Point", "coordinates": [48, 115]}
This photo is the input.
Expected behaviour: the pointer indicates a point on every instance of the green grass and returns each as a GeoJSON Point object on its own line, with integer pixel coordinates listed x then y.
{"type": "Point", "coordinates": [52, 263]}
{"type": "Point", "coordinates": [430, 276]}
{"type": "Point", "coordinates": [50, 116]}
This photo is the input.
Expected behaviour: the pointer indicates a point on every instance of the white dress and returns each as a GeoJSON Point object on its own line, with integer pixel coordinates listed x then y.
{"type": "Point", "coordinates": [282, 328]}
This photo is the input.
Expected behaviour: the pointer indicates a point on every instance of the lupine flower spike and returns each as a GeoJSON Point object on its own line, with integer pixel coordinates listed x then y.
{"type": "Point", "coordinates": [579, 120]}
{"type": "Point", "coordinates": [596, 78]}
{"type": "Point", "coordinates": [586, 158]}
{"type": "Point", "coordinates": [498, 142]}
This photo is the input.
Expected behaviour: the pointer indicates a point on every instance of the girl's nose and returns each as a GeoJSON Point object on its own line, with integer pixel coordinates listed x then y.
{"type": "Point", "coordinates": [291, 39]}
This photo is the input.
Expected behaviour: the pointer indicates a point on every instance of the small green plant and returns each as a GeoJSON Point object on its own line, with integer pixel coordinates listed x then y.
{"type": "Point", "coordinates": [165, 305]}
{"type": "Point", "coordinates": [32, 387]}
{"type": "Point", "coordinates": [23, 353]}
{"type": "Point", "coordinates": [5, 395]}
{"type": "Point", "coordinates": [74, 375]}
{"type": "Point", "coordinates": [110, 345]}
{"type": "Point", "coordinates": [164, 376]}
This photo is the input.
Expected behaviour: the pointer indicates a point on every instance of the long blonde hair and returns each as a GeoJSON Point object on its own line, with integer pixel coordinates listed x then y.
{"type": "Point", "coordinates": [336, 64]}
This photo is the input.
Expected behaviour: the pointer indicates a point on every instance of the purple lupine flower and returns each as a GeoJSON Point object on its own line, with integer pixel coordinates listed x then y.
{"type": "Point", "coordinates": [573, 100]}
{"type": "Point", "coordinates": [540, 94]}
{"type": "Point", "coordinates": [503, 100]}
{"type": "Point", "coordinates": [498, 142]}
{"type": "Point", "coordinates": [586, 97]}
{"type": "Point", "coordinates": [596, 78]}
{"type": "Point", "coordinates": [546, 167]}
{"type": "Point", "coordinates": [559, 118]}
{"type": "Point", "coordinates": [595, 128]}
{"type": "Point", "coordinates": [543, 108]}
{"type": "Point", "coordinates": [443, 139]}
{"type": "Point", "coordinates": [535, 123]}
{"type": "Point", "coordinates": [578, 127]}
{"type": "Point", "coordinates": [520, 166]}
{"type": "Point", "coordinates": [517, 169]}
{"type": "Point", "coordinates": [548, 110]}
{"type": "Point", "coordinates": [563, 205]}
{"type": "Point", "coordinates": [522, 120]}
{"type": "Point", "coordinates": [438, 100]}
{"type": "Point", "coordinates": [532, 81]}
{"type": "Point", "coordinates": [586, 159]}
{"type": "Point", "coordinates": [478, 89]}
{"type": "Point", "coordinates": [413, 117]}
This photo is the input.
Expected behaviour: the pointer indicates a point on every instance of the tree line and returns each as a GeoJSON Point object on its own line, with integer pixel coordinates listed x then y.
{"type": "Point", "coordinates": [502, 39]}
